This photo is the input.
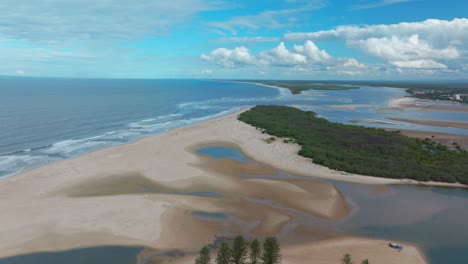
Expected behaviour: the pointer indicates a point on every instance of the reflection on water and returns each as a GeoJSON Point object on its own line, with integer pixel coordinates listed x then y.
{"type": "Point", "coordinates": [432, 218]}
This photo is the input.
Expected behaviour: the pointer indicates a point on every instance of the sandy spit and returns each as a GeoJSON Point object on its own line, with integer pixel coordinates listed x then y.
{"type": "Point", "coordinates": [403, 103]}
{"type": "Point", "coordinates": [331, 251]}
{"type": "Point", "coordinates": [440, 123]}
{"type": "Point", "coordinates": [138, 194]}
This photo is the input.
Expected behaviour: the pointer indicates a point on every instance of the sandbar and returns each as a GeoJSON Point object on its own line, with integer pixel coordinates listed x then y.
{"type": "Point", "coordinates": [145, 193]}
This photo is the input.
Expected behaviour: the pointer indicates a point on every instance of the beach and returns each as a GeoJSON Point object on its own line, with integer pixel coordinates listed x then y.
{"type": "Point", "coordinates": [142, 193]}
{"type": "Point", "coordinates": [403, 103]}
{"type": "Point", "coordinates": [440, 123]}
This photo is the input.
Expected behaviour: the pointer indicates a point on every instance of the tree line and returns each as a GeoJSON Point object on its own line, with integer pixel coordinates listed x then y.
{"type": "Point", "coordinates": [361, 150]}
{"type": "Point", "coordinates": [241, 251]}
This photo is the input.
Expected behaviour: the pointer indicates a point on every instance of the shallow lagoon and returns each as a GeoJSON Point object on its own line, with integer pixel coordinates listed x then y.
{"type": "Point", "coordinates": [433, 218]}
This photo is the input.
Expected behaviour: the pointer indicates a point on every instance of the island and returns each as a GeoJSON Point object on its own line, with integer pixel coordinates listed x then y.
{"type": "Point", "coordinates": [361, 150]}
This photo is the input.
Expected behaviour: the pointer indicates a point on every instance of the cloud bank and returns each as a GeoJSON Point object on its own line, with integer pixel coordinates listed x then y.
{"type": "Point", "coordinates": [417, 47]}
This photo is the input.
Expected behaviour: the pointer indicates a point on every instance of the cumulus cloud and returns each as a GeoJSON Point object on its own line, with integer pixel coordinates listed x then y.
{"type": "Point", "coordinates": [77, 20]}
{"type": "Point", "coordinates": [306, 58]}
{"type": "Point", "coordinates": [281, 56]}
{"type": "Point", "coordinates": [19, 72]}
{"type": "Point", "coordinates": [428, 44]}
{"type": "Point", "coordinates": [311, 51]}
{"type": "Point", "coordinates": [230, 58]}
{"type": "Point", "coordinates": [353, 63]}
{"type": "Point", "coordinates": [308, 53]}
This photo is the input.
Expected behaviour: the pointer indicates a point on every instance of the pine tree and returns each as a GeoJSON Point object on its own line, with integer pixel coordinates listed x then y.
{"type": "Point", "coordinates": [239, 251]}
{"type": "Point", "coordinates": [204, 256]}
{"type": "Point", "coordinates": [271, 251]}
{"type": "Point", "coordinates": [255, 252]}
{"type": "Point", "coordinates": [366, 261]}
{"type": "Point", "coordinates": [224, 254]}
{"type": "Point", "coordinates": [347, 259]}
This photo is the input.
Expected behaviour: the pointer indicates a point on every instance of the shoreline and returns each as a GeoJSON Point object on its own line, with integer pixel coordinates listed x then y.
{"type": "Point", "coordinates": [404, 103]}
{"type": "Point", "coordinates": [97, 198]}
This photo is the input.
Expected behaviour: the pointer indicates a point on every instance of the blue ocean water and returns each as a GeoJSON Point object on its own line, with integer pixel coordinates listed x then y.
{"type": "Point", "coordinates": [44, 120]}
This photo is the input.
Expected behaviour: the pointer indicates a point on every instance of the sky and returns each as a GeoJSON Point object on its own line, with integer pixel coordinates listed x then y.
{"type": "Point", "coordinates": [245, 39]}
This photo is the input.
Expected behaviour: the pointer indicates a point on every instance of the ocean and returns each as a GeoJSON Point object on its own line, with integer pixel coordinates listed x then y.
{"type": "Point", "coordinates": [44, 120]}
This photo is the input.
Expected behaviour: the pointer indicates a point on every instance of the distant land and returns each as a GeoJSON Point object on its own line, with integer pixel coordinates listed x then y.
{"type": "Point", "coordinates": [298, 86]}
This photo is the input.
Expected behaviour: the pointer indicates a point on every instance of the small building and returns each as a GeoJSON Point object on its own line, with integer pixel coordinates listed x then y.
{"type": "Point", "coordinates": [457, 97]}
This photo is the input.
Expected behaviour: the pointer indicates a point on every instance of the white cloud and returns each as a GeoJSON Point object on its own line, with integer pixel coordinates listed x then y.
{"type": "Point", "coordinates": [55, 21]}
{"type": "Point", "coordinates": [437, 32]}
{"type": "Point", "coordinates": [281, 56]}
{"type": "Point", "coordinates": [419, 64]}
{"type": "Point", "coordinates": [230, 58]}
{"type": "Point", "coordinates": [429, 44]}
{"type": "Point", "coordinates": [311, 51]}
{"type": "Point", "coordinates": [306, 58]}
{"type": "Point", "coordinates": [307, 54]}
{"type": "Point", "coordinates": [411, 50]}
{"type": "Point", "coordinates": [19, 72]}
{"type": "Point", "coordinates": [353, 63]}
{"type": "Point", "coordinates": [381, 3]}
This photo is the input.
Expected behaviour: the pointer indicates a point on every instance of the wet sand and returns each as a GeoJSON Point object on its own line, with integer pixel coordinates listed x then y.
{"type": "Point", "coordinates": [403, 103]}
{"type": "Point", "coordinates": [439, 123]}
{"type": "Point", "coordinates": [146, 193]}
{"type": "Point", "coordinates": [332, 250]}
{"type": "Point", "coordinates": [128, 195]}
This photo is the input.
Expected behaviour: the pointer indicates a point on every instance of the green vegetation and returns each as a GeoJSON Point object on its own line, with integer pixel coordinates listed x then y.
{"type": "Point", "coordinates": [347, 259]}
{"type": "Point", "coordinates": [255, 251]}
{"type": "Point", "coordinates": [204, 256]}
{"type": "Point", "coordinates": [271, 251]}
{"type": "Point", "coordinates": [239, 251]}
{"type": "Point", "coordinates": [361, 150]}
{"type": "Point", "coordinates": [224, 254]}
{"type": "Point", "coordinates": [296, 87]}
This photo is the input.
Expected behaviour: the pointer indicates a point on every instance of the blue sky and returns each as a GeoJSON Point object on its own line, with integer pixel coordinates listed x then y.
{"type": "Point", "coordinates": [280, 39]}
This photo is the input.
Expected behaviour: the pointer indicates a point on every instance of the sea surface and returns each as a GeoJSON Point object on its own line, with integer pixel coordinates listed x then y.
{"type": "Point", "coordinates": [45, 120]}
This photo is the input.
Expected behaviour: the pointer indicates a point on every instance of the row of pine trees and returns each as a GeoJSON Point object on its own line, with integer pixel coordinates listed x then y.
{"type": "Point", "coordinates": [241, 251]}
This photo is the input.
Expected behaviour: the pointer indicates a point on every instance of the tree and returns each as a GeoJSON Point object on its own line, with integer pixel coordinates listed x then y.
{"type": "Point", "coordinates": [224, 254]}
{"type": "Point", "coordinates": [366, 261]}
{"type": "Point", "coordinates": [255, 251]}
{"type": "Point", "coordinates": [347, 259]}
{"type": "Point", "coordinates": [239, 251]}
{"type": "Point", "coordinates": [204, 256]}
{"type": "Point", "coordinates": [271, 251]}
